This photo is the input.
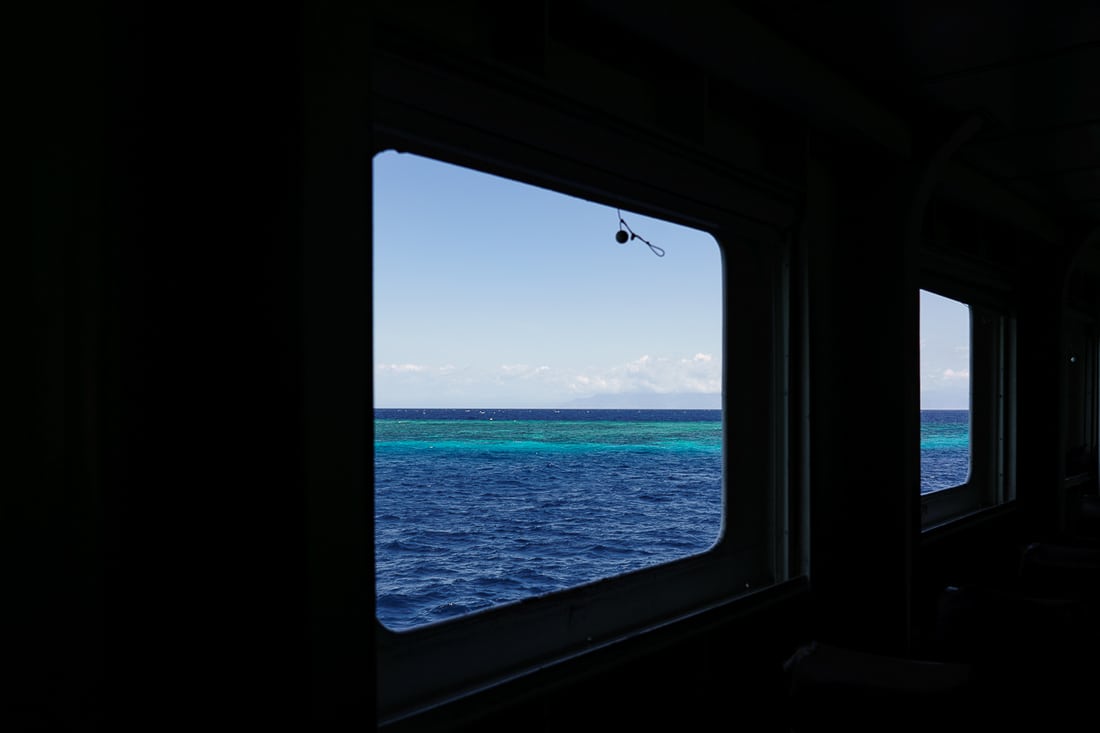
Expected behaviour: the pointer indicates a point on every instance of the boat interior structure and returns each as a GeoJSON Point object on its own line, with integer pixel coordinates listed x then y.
{"type": "Point", "coordinates": [195, 501]}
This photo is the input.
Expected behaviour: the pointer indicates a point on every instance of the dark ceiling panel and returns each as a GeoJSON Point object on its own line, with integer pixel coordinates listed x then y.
{"type": "Point", "coordinates": [1054, 90]}
{"type": "Point", "coordinates": [906, 70]}
{"type": "Point", "coordinates": [1081, 185]}
{"type": "Point", "coordinates": [1031, 71]}
{"type": "Point", "coordinates": [945, 39]}
{"type": "Point", "coordinates": [1036, 152]}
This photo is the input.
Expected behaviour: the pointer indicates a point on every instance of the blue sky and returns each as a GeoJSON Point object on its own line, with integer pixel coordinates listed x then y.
{"type": "Point", "coordinates": [944, 353]}
{"type": "Point", "coordinates": [492, 293]}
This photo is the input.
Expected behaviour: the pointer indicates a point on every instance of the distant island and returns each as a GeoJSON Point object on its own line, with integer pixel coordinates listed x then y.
{"type": "Point", "coordinates": [649, 401]}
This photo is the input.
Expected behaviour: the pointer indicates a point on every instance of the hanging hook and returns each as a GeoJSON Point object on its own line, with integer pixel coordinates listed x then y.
{"type": "Point", "coordinates": [622, 238]}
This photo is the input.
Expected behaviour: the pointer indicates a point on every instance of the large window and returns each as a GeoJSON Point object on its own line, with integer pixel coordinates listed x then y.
{"type": "Point", "coordinates": [565, 452]}
{"type": "Point", "coordinates": [533, 261]}
{"type": "Point", "coordinates": [548, 391]}
{"type": "Point", "coordinates": [967, 423]}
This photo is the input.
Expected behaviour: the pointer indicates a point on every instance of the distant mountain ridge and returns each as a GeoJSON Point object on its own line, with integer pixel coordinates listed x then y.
{"type": "Point", "coordinates": [650, 401]}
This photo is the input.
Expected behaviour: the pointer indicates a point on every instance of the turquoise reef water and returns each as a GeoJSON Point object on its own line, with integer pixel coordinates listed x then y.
{"type": "Point", "coordinates": [479, 508]}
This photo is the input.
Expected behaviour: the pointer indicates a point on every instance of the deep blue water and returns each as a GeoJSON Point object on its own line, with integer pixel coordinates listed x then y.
{"type": "Point", "coordinates": [477, 508]}
{"type": "Point", "coordinates": [944, 448]}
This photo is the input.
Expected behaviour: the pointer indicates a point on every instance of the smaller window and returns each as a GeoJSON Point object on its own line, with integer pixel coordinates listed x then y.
{"type": "Point", "coordinates": [944, 392]}
{"type": "Point", "coordinates": [966, 418]}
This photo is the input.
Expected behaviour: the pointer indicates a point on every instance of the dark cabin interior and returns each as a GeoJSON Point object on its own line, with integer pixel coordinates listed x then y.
{"type": "Point", "coordinates": [192, 484]}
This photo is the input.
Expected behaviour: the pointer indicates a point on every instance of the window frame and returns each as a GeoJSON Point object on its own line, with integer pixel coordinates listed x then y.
{"type": "Point", "coordinates": [991, 479]}
{"type": "Point", "coordinates": [428, 665]}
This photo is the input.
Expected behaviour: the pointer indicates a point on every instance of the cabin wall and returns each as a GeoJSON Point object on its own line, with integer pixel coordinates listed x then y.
{"type": "Point", "coordinates": [54, 507]}
{"type": "Point", "coordinates": [862, 506]}
{"type": "Point", "coordinates": [167, 545]}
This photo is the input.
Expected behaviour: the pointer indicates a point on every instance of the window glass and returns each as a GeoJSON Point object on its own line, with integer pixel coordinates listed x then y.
{"type": "Point", "coordinates": [547, 391]}
{"type": "Point", "coordinates": [945, 343]}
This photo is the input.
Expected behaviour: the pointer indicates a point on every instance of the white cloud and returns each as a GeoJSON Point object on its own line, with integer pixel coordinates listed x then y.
{"type": "Point", "coordinates": [699, 373]}
{"type": "Point", "coordinates": [522, 371]}
{"type": "Point", "coordinates": [945, 388]}
{"type": "Point", "coordinates": [399, 368]}
{"type": "Point", "coordinates": [533, 385]}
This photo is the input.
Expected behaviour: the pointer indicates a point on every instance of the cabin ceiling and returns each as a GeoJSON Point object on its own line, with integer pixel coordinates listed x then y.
{"type": "Point", "coordinates": [895, 72]}
{"type": "Point", "coordinates": [1029, 71]}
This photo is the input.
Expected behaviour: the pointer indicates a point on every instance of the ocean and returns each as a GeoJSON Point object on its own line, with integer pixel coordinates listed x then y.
{"type": "Point", "coordinates": [478, 508]}
{"type": "Point", "coordinates": [944, 449]}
